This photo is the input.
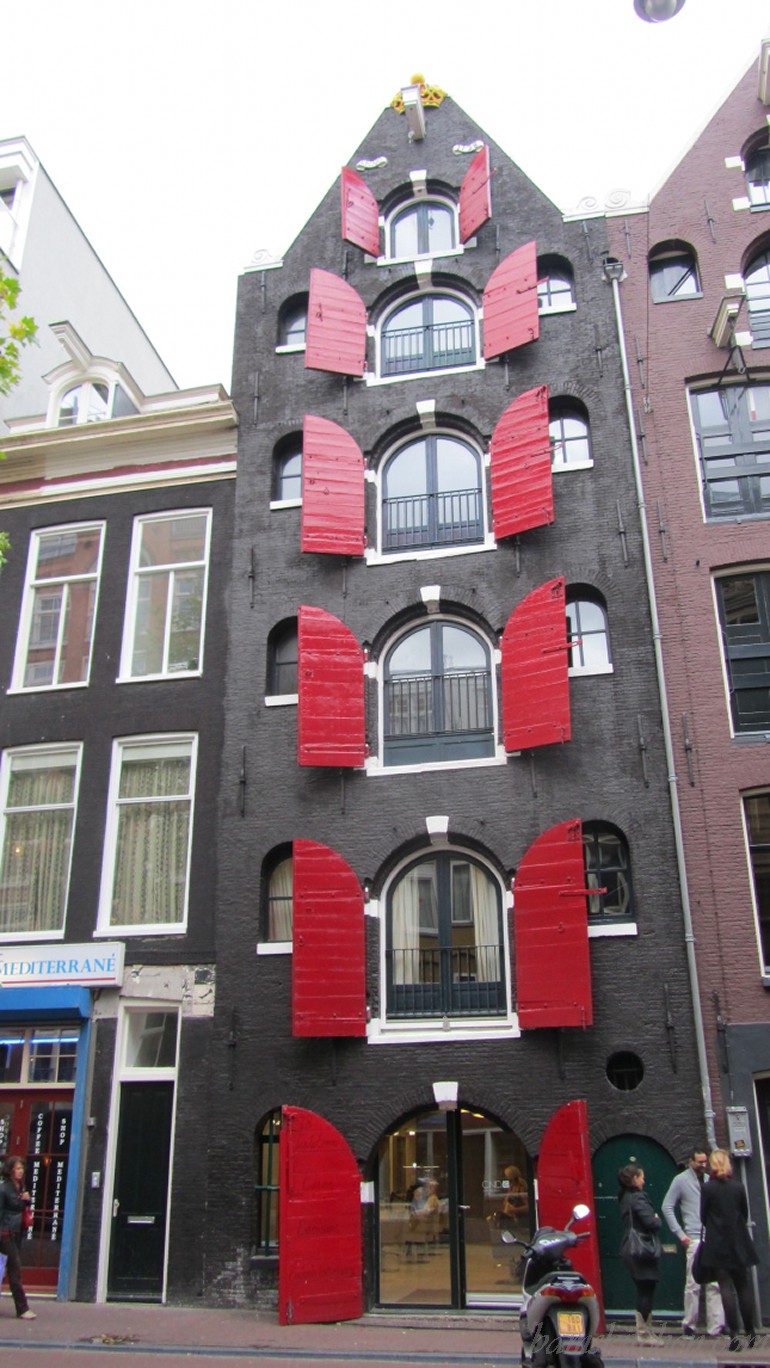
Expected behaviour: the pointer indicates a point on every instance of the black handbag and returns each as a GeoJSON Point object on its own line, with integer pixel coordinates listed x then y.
{"type": "Point", "coordinates": [643, 1245]}
{"type": "Point", "coordinates": [700, 1271]}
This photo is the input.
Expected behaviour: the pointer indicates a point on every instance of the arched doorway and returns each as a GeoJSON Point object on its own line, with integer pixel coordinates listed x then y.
{"type": "Point", "coordinates": [445, 1183]}
{"type": "Point", "coordinates": [659, 1169]}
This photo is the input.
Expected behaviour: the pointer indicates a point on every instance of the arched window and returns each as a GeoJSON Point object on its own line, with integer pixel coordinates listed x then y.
{"type": "Point", "coordinates": [673, 272]}
{"type": "Point", "coordinates": [587, 632]}
{"type": "Point", "coordinates": [282, 651]}
{"type": "Point", "coordinates": [437, 699]}
{"type": "Point", "coordinates": [278, 894]}
{"type": "Point", "coordinates": [757, 163]}
{"type": "Point", "coordinates": [445, 948]}
{"type": "Point", "coordinates": [555, 286]}
{"type": "Point", "coordinates": [430, 332]}
{"type": "Point", "coordinates": [266, 1141]}
{"type": "Point", "coordinates": [292, 322]}
{"type": "Point", "coordinates": [757, 282]}
{"type": "Point", "coordinates": [86, 403]}
{"type": "Point", "coordinates": [432, 495]}
{"type": "Point", "coordinates": [287, 470]}
{"type": "Point", "coordinates": [608, 866]}
{"type": "Point", "coordinates": [424, 227]}
{"type": "Point", "coordinates": [570, 436]}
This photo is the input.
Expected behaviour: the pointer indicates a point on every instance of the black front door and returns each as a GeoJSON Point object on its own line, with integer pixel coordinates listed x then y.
{"type": "Point", "coordinates": [138, 1242]}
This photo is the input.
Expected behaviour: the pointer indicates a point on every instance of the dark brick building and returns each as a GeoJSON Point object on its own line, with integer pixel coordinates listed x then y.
{"type": "Point", "coordinates": [425, 771]}
{"type": "Point", "coordinates": [696, 305]}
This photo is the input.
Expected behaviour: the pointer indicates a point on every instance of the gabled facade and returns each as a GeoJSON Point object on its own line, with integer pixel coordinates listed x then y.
{"type": "Point", "coordinates": [695, 301]}
{"type": "Point", "coordinates": [449, 930]}
{"type": "Point", "coordinates": [112, 638]}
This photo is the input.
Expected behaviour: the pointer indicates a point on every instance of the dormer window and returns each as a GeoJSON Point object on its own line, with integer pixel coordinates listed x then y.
{"type": "Point", "coordinates": [92, 402]}
{"type": "Point", "coordinates": [422, 228]}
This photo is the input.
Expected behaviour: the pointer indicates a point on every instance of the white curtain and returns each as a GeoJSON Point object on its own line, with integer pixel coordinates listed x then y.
{"type": "Point", "coordinates": [406, 926]}
{"type": "Point", "coordinates": [280, 901]}
{"type": "Point", "coordinates": [486, 923]}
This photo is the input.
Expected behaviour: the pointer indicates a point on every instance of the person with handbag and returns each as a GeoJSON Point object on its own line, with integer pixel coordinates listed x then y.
{"type": "Point", "coordinates": [685, 1193]}
{"type": "Point", "coordinates": [640, 1247]}
{"type": "Point", "coordinates": [14, 1202]}
{"type": "Point", "coordinates": [727, 1250]}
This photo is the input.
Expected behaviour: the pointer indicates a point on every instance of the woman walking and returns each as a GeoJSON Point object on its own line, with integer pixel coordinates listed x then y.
{"type": "Point", "coordinates": [727, 1251]}
{"type": "Point", "coordinates": [640, 1247]}
{"type": "Point", "coordinates": [13, 1199]}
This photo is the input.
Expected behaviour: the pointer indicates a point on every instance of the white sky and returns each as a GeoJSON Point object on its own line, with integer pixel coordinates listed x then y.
{"type": "Point", "coordinates": [185, 135]}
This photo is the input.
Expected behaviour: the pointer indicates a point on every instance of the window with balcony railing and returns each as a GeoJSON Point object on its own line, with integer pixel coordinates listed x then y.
{"type": "Point", "coordinates": [445, 954]}
{"type": "Point", "coordinates": [437, 697]}
{"type": "Point", "coordinates": [434, 332]}
{"type": "Point", "coordinates": [431, 495]}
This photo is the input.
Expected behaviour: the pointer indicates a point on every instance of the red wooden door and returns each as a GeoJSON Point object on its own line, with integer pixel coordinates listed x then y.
{"type": "Point", "coordinates": [37, 1125]}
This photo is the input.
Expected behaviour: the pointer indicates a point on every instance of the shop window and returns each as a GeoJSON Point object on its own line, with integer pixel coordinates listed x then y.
{"type": "Point", "coordinates": [38, 797]}
{"type": "Point", "coordinates": [147, 842]}
{"type": "Point", "coordinates": [437, 696]}
{"type": "Point", "coordinates": [757, 164]}
{"type": "Point", "coordinates": [57, 617]}
{"type": "Point", "coordinates": [445, 950]}
{"type": "Point", "coordinates": [570, 436]}
{"type": "Point", "coordinates": [166, 603]}
{"type": "Point", "coordinates": [287, 471]}
{"type": "Point", "coordinates": [732, 425]}
{"type": "Point", "coordinates": [430, 332]}
{"type": "Point", "coordinates": [432, 495]}
{"type": "Point", "coordinates": [266, 1184]}
{"type": "Point", "coordinates": [278, 895]}
{"type": "Point", "coordinates": [282, 654]}
{"type": "Point", "coordinates": [673, 272]}
{"type": "Point", "coordinates": [757, 283]}
{"type": "Point", "coordinates": [292, 323]}
{"type": "Point", "coordinates": [757, 811]}
{"type": "Point", "coordinates": [608, 867]}
{"type": "Point", "coordinates": [587, 633]}
{"type": "Point", "coordinates": [424, 227]}
{"type": "Point", "coordinates": [555, 286]}
{"type": "Point", "coordinates": [744, 611]}
{"type": "Point", "coordinates": [45, 1054]}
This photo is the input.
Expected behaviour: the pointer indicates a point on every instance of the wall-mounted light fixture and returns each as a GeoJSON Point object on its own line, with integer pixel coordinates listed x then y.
{"type": "Point", "coordinates": [445, 1094]}
{"type": "Point", "coordinates": [415, 114]}
{"type": "Point", "coordinates": [657, 11]}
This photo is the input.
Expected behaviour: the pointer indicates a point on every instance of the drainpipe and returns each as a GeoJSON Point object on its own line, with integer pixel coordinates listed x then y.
{"type": "Point", "coordinates": [614, 272]}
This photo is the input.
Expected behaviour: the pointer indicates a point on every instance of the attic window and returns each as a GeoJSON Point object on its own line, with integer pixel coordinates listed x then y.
{"type": "Point", "coordinates": [758, 177]}
{"type": "Point", "coordinates": [422, 228]}
{"type": "Point", "coordinates": [91, 402]}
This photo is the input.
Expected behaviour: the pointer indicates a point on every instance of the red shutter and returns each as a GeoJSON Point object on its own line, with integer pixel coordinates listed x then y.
{"type": "Point", "coordinates": [534, 670]}
{"type": "Point", "coordinates": [320, 1269]}
{"type": "Point", "coordinates": [476, 195]}
{"type": "Point", "coordinates": [331, 727]}
{"type": "Point", "coordinates": [510, 303]}
{"type": "Point", "coordinates": [328, 975]}
{"type": "Point", "coordinates": [564, 1178]}
{"type": "Point", "coordinates": [336, 325]}
{"type": "Point", "coordinates": [360, 213]}
{"type": "Point", "coordinates": [550, 918]}
{"type": "Point", "coordinates": [522, 484]}
{"type": "Point", "coordinates": [332, 490]}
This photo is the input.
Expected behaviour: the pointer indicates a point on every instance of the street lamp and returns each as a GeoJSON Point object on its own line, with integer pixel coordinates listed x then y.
{"type": "Point", "coordinates": [657, 11]}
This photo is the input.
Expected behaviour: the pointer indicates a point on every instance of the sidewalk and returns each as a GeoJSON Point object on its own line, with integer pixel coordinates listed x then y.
{"type": "Point", "coordinates": [378, 1336]}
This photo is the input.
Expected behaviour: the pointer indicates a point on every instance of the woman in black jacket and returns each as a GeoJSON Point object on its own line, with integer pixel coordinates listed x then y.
{"type": "Point", "coordinates": [637, 1213]}
{"type": "Point", "coordinates": [728, 1250]}
{"type": "Point", "coordinates": [13, 1199]}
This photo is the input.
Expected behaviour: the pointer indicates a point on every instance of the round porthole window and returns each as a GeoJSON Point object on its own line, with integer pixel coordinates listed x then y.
{"type": "Point", "coordinates": [625, 1070]}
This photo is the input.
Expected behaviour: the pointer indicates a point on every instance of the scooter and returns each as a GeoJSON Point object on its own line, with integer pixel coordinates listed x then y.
{"type": "Point", "coordinates": [560, 1309]}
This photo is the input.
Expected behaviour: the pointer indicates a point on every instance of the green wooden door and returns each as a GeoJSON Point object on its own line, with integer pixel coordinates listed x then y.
{"type": "Point", "coordinates": [659, 1169]}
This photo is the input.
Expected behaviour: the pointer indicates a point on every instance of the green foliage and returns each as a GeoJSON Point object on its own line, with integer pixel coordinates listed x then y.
{"type": "Point", "coordinates": [5, 546]}
{"type": "Point", "coordinates": [14, 334]}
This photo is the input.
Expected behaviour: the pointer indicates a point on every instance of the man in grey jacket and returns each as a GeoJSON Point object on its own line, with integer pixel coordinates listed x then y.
{"type": "Point", "coordinates": [685, 1192]}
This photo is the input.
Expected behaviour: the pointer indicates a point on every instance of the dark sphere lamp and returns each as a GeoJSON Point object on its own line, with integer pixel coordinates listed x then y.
{"type": "Point", "coordinates": [657, 11]}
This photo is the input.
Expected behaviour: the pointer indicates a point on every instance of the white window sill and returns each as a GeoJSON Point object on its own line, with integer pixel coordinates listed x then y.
{"type": "Point", "coordinates": [371, 379]}
{"type": "Point", "coordinates": [597, 932]}
{"type": "Point", "coordinates": [383, 1032]}
{"type": "Point", "coordinates": [22, 937]}
{"type": "Point", "coordinates": [47, 688]}
{"type": "Point", "coordinates": [285, 503]}
{"type": "Point", "coordinates": [280, 700]}
{"type": "Point", "coordinates": [375, 770]}
{"type": "Point", "coordinates": [428, 257]}
{"type": "Point", "coordinates": [274, 947]}
{"type": "Point", "coordinates": [577, 671]}
{"type": "Point", "coordinates": [562, 309]}
{"type": "Point", "coordinates": [155, 678]}
{"type": "Point", "coordinates": [564, 467]}
{"type": "Point", "coordinates": [373, 557]}
{"type": "Point", "coordinates": [287, 348]}
{"type": "Point", "coordinates": [118, 932]}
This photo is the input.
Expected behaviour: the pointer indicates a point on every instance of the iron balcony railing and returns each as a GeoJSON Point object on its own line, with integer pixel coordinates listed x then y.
{"type": "Point", "coordinates": [450, 518]}
{"type": "Point", "coordinates": [432, 346]}
{"type": "Point", "coordinates": [463, 980]}
{"type": "Point", "coordinates": [425, 705]}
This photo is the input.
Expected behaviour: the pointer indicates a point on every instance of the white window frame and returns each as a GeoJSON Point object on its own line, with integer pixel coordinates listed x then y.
{"type": "Point", "coordinates": [758, 792]}
{"type": "Point", "coordinates": [607, 667]}
{"type": "Point", "coordinates": [121, 746]}
{"type": "Point", "coordinates": [545, 307]}
{"type": "Point", "coordinates": [31, 583]}
{"type": "Point", "coordinates": [563, 410]}
{"type": "Point", "coordinates": [376, 377]}
{"type": "Point", "coordinates": [71, 748]}
{"type": "Point", "coordinates": [136, 574]}
{"type": "Point", "coordinates": [414, 202]}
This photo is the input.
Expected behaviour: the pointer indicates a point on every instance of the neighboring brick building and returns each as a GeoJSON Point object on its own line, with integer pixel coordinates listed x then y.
{"type": "Point", "coordinates": [696, 306]}
{"type": "Point", "coordinates": [434, 468]}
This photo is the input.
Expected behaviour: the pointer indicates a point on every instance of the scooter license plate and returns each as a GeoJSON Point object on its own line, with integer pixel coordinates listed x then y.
{"type": "Point", "coordinates": [570, 1323]}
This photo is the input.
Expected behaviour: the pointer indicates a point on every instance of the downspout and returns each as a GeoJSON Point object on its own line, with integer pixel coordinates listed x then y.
{"type": "Point", "coordinates": [614, 272]}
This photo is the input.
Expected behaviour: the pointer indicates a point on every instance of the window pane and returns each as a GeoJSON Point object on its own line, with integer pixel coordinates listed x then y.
{"type": "Point", "coordinates": [461, 651]}
{"type": "Point", "coordinates": [739, 597]}
{"type": "Point", "coordinates": [758, 820]}
{"type": "Point", "coordinates": [168, 609]}
{"type": "Point", "coordinates": [412, 654]}
{"type": "Point", "coordinates": [61, 606]}
{"type": "Point", "coordinates": [289, 477]}
{"type": "Point", "coordinates": [406, 474]}
{"type": "Point", "coordinates": [153, 817]}
{"type": "Point", "coordinates": [186, 614]}
{"type": "Point", "coordinates": [456, 465]}
{"type": "Point", "coordinates": [11, 1055]}
{"type": "Point", "coordinates": [151, 1041]}
{"type": "Point", "coordinates": [404, 234]}
{"type": "Point", "coordinates": [39, 816]}
{"type": "Point", "coordinates": [169, 541]}
{"type": "Point", "coordinates": [150, 629]}
{"type": "Point", "coordinates": [52, 1056]}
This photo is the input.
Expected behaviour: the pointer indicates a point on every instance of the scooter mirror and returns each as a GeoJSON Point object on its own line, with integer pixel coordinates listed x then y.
{"type": "Point", "coordinates": [507, 1237]}
{"type": "Point", "coordinates": [580, 1212]}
